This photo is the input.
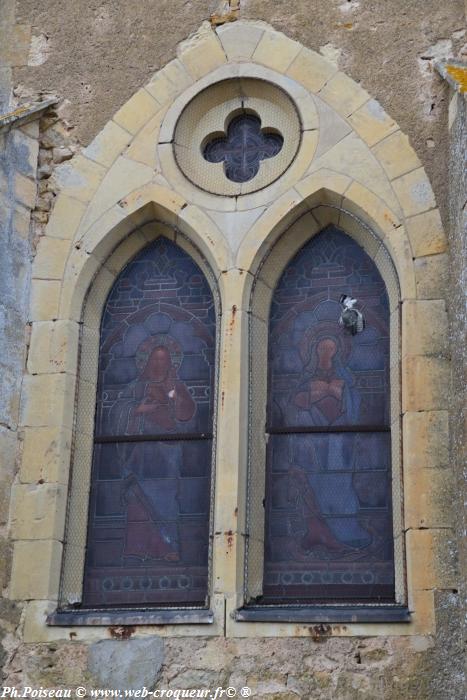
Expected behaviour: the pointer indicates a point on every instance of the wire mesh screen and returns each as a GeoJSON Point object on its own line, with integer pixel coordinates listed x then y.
{"type": "Point", "coordinates": [148, 531]}
{"type": "Point", "coordinates": [328, 495]}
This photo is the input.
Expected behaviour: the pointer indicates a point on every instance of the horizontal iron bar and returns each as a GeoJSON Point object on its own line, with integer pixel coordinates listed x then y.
{"type": "Point", "coordinates": [323, 613]}
{"type": "Point", "coordinates": [179, 437]}
{"type": "Point", "coordinates": [329, 429]}
{"type": "Point", "coordinates": [131, 617]}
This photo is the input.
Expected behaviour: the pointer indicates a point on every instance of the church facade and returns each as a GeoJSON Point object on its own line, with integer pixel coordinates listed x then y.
{"type": "Point", "coordinates": [233, 278]}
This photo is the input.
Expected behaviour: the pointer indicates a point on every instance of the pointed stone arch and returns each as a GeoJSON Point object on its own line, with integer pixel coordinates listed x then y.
{"type": "Point", "coordinates": [354, 163]}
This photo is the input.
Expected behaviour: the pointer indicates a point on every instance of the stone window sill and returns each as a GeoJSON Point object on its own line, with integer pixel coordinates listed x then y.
{"type": "Point", "coordinates": [324, 613]}
{"type": "Point", "coordinates": [73, 618]}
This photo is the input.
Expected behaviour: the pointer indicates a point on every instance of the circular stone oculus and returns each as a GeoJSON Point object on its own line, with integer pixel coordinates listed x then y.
{"type": "Point", "coordinates": [237, 136]}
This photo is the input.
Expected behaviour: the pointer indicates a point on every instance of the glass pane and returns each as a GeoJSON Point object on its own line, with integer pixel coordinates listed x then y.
{"type": "Point", "coordinates": [148, 536]}
{"type": "Point", "coordinates": [328, 494]}
{"type": "Point", "coordinates": [149, 521]}
{"type": "Point", "coordinates": [244, 147]}
{"type": "Point", "coordinates": [157, 347]}
{"type": "Point", "coordinates": [320, 375]}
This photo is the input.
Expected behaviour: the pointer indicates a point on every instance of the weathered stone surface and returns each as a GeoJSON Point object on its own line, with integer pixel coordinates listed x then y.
{"type": "Point", "coordinates": [130, 664]}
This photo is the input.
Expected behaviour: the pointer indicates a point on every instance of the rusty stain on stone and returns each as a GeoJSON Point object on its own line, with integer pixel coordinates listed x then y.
{"type": "Point", "coordinates": [122, 632]}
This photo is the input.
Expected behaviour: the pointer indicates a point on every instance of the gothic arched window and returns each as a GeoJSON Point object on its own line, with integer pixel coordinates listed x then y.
{"type": "Point", "coordinates": [328, 512]}
{"type": "Point", "coordinates": [148, 532]}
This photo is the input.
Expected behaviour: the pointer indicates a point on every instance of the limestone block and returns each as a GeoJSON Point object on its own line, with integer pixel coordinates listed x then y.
{"type": "Point", "coordinates": [80, 270]}
{"type": "Point", "coordinates": [323, 187]}
{"type": "Point", "coordinates": [364, 204]}
{"type": "Point", "coordinates": [27, 150]}
{"type": "Point", "coordinates": [396, 155]}
{"type": "Point", "coordinates": [276, 51]}
{"type": "Point", "coordinates": [422, 607]}
{"type": "Point", "coordinates": [104, 234]}
{"type": "Point", "coordinates": [142, 149]}
{"type": "Point", "coordinates": [45, 296]}
{"type": "Point", "coordinates": [53, 347]}
{"type": "Point", "coordinates": [66, 215]}
{"type": "Point", "coordinates": [426, 234]}
{"type": "Point", "coordinates": [108, 144]}
{"type": "Point", "coordinates": [235, 224]}
{"type": "Point", "coordinates": [46, 455]}
{"type": "Point", "coordinates": [50, 258]}
{"type": "Point", "coordinates": [124, 176]}
{"type": "Point", "coordinates": [166, 202]}
{"type": "Point", "coordinates": [425, 328]}
{"type": "Point", "coordinates": [25, 191]}
{"type": "Point", "coordinates": [128, 248]}
{"type": "Point", "coordinates": [311, 70]}
{"type": "Point", "coordinates": [429, 559]}
{"type": "Point", "coordinates": [398, 254]}
{"type": "Point", "coordinates": [130, 666]}
{"type": "Point", "coordinates": [264, 232]}
{"type": "Point", "coordinates": [372, 123]}
{"type": "Point", "coordinates": [48, 400]}
{"type": "Point", "coordinates": [79, 178]}
{"type": "Point", "coordinates": [21, 222]}
{"type": "Point", "coordinates": [137, 111]}
{"type": "Point", "coordinates": [425, 383]}
{"type": "Point", "coordinates": [352, 157]}
{"type": "Point", "coordinates": [192, 221]}
{"type": "Point", "coordinates": [202, 52]}
{"type": "Point", "coordinates": [428, 498]}
{"type": "Point", "coordinates": [38, 511]}
{"type": "Point", "coordinates": [426, 440]}
{"type": "Point", "coordinates": [343, 94]}
{"type": "Point", "coordinates": [239, 39]}
{"type": "Point", "coordinates": [414, 192]}
{"type": "Point", "coordinates": [36, 570]}
{"type": "Point", "coordinates": [169, 81]}
{"type": "Point", "coordinates": [432, 276]}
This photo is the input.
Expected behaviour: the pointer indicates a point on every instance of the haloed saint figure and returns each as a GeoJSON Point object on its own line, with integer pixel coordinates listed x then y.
{"type": "Point", "coordinates": [328, 498]}
{"type": "Point", "coordinates": [165, 399]}
{"type": "Point", "coordinates": [150, 493]}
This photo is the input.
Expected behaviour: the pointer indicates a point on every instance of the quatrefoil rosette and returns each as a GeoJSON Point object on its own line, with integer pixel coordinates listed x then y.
{"type": "Point", "coordinates": [208, 117]}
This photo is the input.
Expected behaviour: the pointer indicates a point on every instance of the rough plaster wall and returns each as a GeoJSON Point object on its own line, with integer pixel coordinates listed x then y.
{"type": "Point", "coordinates": [458, 326]}
{"type": "Point", "coordinates": [97, 54]}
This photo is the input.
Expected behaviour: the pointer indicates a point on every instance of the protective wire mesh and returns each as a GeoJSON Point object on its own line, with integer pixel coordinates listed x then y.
{"type": "Point", "coordinates": [377, 493]}
{"type": "Point", "coordinates": [77, 514]}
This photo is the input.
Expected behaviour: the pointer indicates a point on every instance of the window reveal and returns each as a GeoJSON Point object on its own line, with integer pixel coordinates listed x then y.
{"type": "Point", "coordinates": [328, 478]}
{"type": "Point", "coordinates": [148, 535]}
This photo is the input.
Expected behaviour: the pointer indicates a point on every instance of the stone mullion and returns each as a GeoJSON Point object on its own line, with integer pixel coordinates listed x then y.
{"type": "Point", "coordinates": [232, 429]}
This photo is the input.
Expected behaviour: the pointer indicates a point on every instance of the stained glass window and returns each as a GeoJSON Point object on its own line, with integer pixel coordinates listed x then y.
{"type": "Point", "coordinates": [328, 476]}
{"type": "Point", "coordinates": [148, 535]}
{"type": "Point", "coordinates": [244, 147]}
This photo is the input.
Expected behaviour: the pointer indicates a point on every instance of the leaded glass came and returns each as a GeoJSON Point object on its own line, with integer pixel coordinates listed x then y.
{"type": "Point", "coordinates": [328, 478]}
{"type": "Point", "coordinates": [148, 535]}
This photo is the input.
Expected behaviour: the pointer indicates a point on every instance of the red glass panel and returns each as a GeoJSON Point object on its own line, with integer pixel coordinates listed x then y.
{"type": "Point", "coordinates": [148, 537]}
{"type": "Point", "coordinates": [328, 482]}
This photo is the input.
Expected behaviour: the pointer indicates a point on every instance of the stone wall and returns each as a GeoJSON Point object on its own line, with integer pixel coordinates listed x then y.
{"type": "Point", "coordinates": [387, 47]}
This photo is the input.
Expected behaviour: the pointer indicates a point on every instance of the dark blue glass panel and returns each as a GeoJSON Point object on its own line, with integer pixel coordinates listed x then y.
{"type": "Point", "coordinates": [157, 347]}
{"type": "Point", "coordinates": [148, 535]}
{"type": "Point", "coordinates": [244, 147]}
{"type": "Point", "coordinates": [328, 494]}
{"type": "Point", "coordinates": [319, 374]}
